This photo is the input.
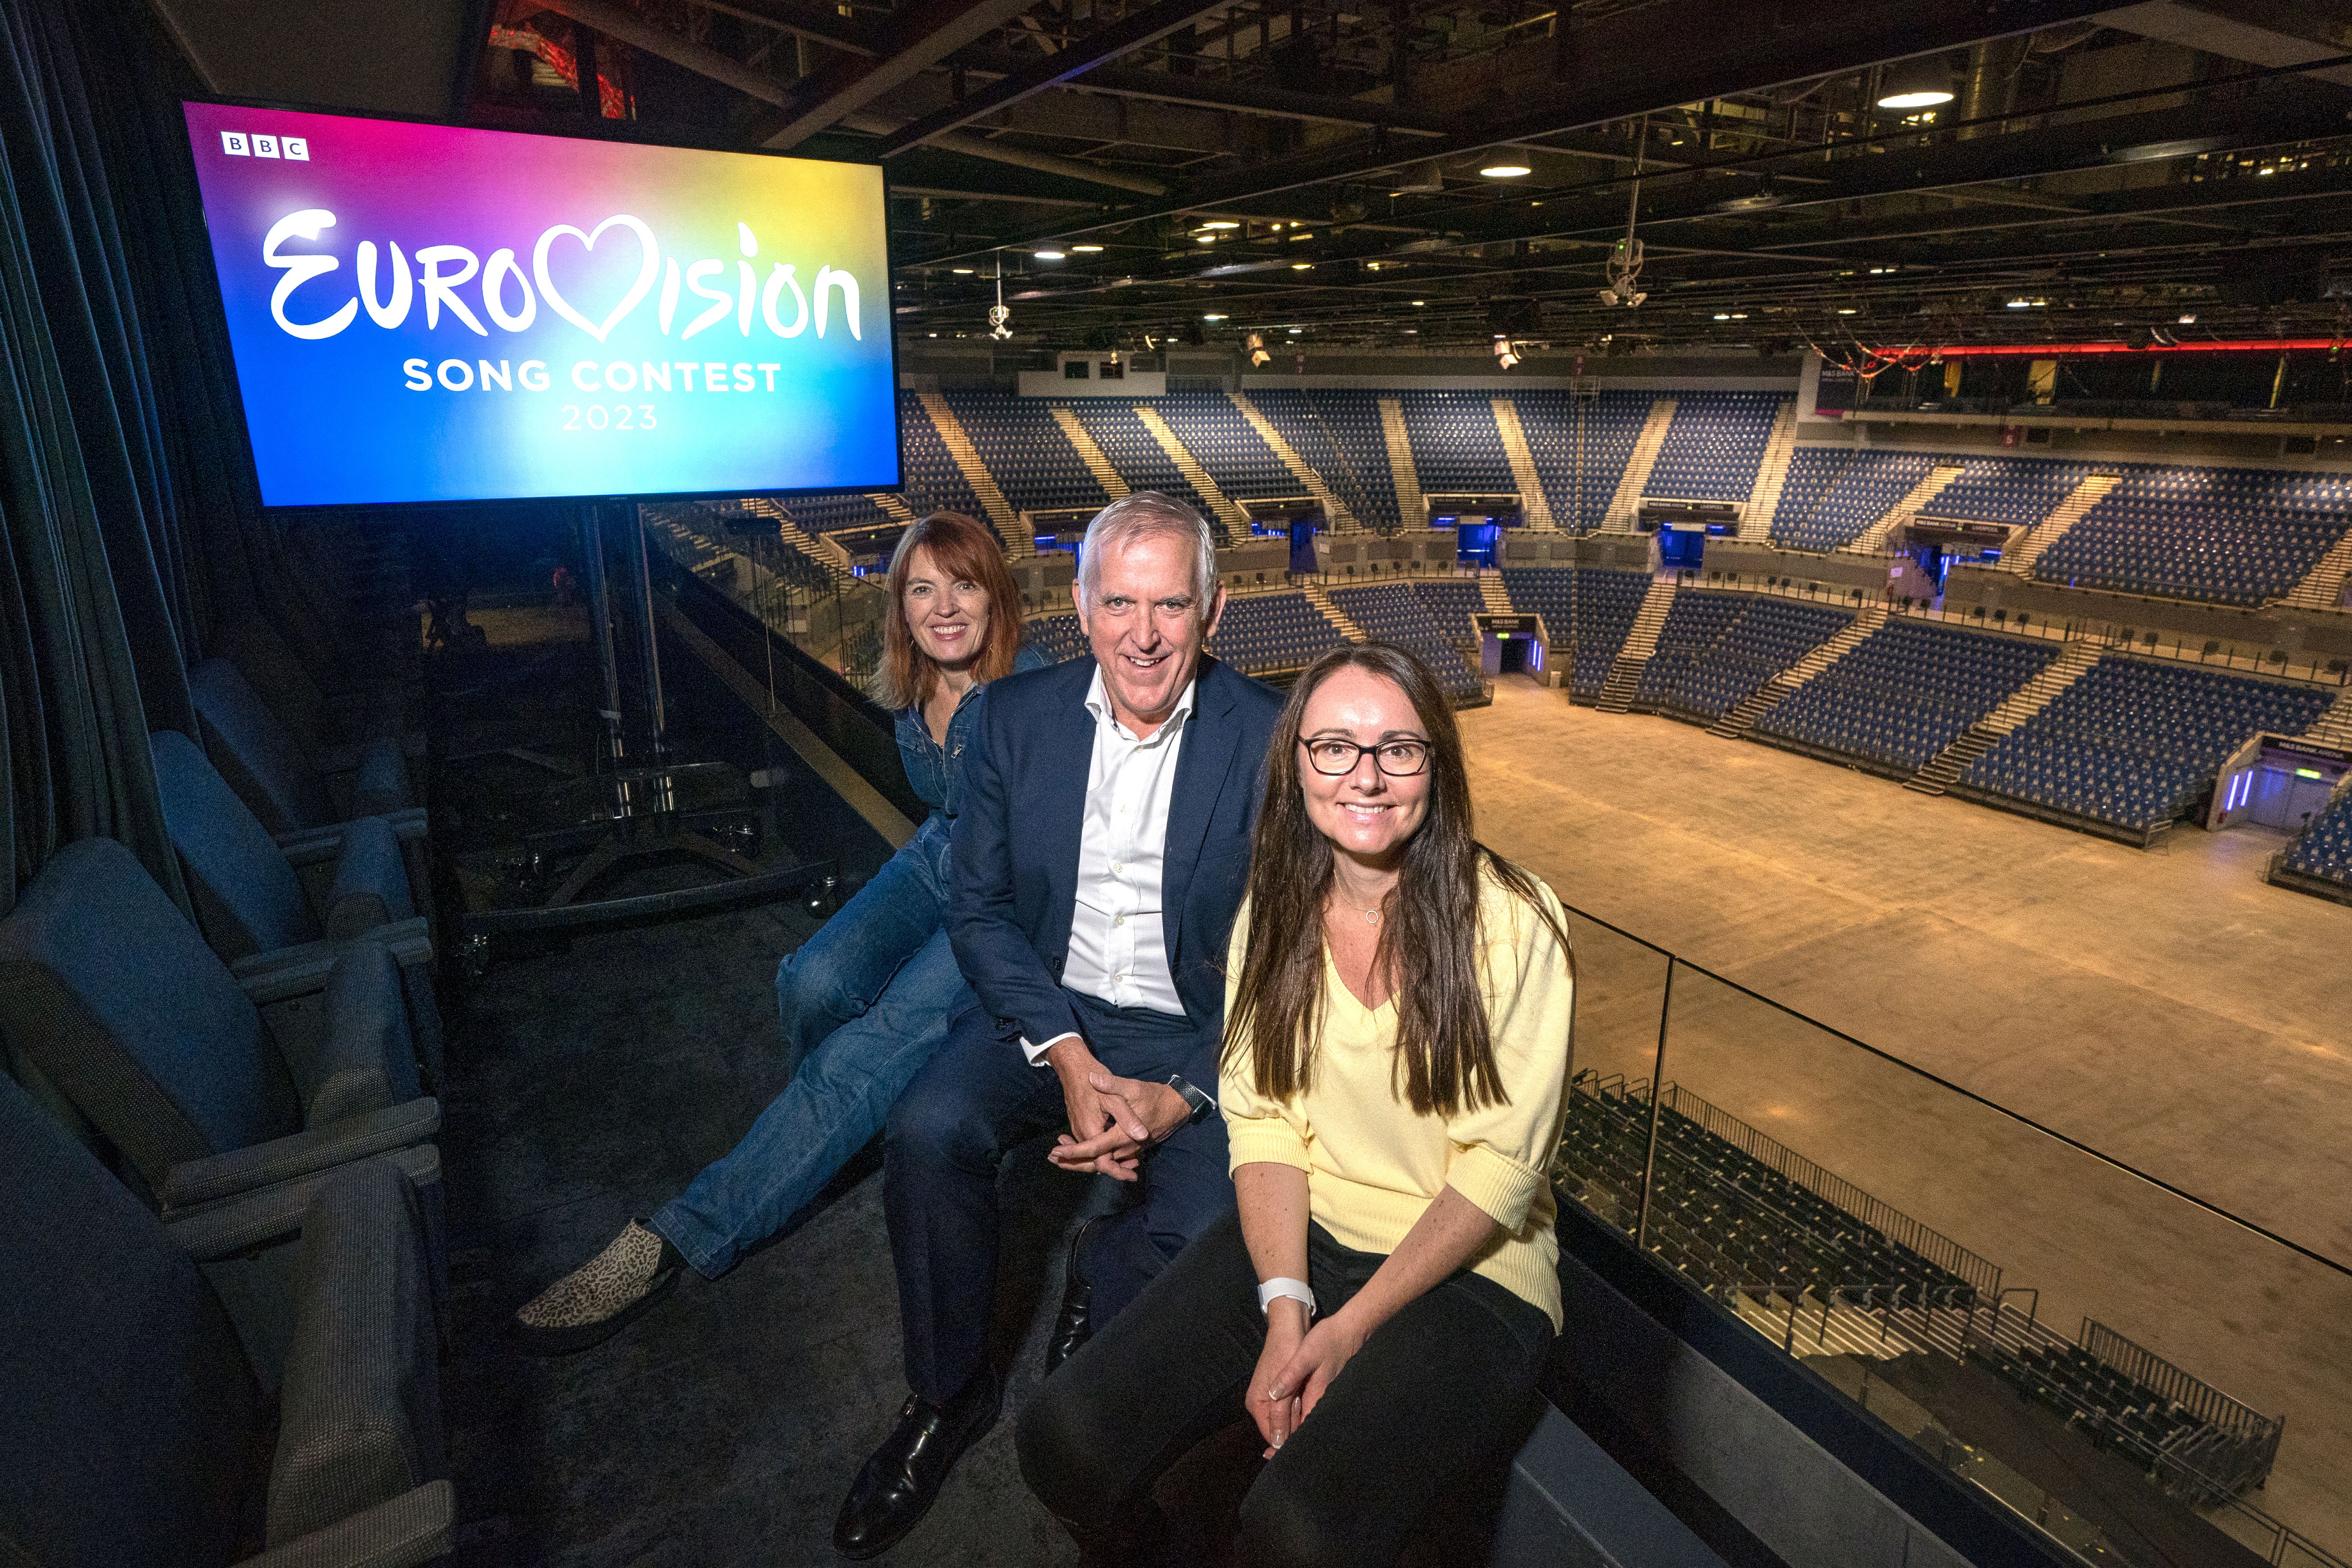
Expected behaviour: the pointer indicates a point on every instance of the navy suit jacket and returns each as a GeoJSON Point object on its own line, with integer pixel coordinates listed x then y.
{"type": "Point", "coordinates": [1015, 850]}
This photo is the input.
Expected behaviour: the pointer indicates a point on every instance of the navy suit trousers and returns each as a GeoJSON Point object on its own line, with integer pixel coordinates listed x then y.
{"type": "Point", "coordinates": [977, 1100]}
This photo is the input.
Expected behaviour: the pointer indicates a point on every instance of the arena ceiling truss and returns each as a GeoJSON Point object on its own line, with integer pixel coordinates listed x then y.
{"type": "Point", "coordinates": [1195, 171]}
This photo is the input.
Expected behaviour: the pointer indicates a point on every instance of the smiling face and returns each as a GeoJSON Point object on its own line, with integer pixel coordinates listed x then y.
{"type": "Point", "coordinates": [947, 615]}
{"type": "Point", "coordinates": [1143, 620]}
{"type": "Point", "coordinates": [1368, 815]}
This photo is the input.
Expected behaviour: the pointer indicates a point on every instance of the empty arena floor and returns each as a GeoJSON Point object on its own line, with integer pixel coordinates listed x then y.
{"type": "Point", "coordinates": [2166, 1006]}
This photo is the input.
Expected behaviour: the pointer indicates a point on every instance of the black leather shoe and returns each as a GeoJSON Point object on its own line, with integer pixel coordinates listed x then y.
{"type": "Point", "coordinates": [1074, 1325]}
{"type": "Point", "coordinates": [900, 1481]}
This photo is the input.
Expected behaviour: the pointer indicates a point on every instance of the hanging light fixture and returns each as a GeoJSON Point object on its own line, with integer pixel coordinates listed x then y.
{"type": "Point", "coordinates": [1624, 266]}
{"type": "Point", "coordinates": [1920, 83]}
{"type": "Point", "coordinates": [999, 320]}
{"type": "Point", "coordinates": [1255, 342]}
{"type": "Point", "coordinates": [1506, 356]}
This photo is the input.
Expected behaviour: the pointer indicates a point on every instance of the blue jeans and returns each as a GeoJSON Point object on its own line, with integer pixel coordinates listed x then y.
{"type": "Point", "coordinates": [864, 1004]}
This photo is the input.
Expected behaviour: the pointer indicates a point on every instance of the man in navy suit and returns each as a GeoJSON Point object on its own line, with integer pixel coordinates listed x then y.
{"type": "Point", "coordinates": [1097, 864]}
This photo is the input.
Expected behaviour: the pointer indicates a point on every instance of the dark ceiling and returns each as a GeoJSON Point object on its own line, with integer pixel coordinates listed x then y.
{"type": "Point", "coordinates": [1213, 169]}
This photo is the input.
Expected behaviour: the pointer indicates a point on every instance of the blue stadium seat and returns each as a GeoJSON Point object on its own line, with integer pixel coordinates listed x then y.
{"type": "Point", "coordinates": [1581, 446]}
{"type": "Point", "coordinates": [1906, 692]}
{"type": "Point", "coordinates": [1338, 435]}
{"type": "Point", "coordinates": [1392, 612]}
{"type": "Point", "coordinates": [1262, 633]}
{"type": "Point", "coordinates": [1834, 493]}
{"type": "Point", "coordinates": [2233, 536]}
{"type": "Point", "coordinates": [1596, 607]}
{"type": "Point", "coordinates": [1715, 445]}
{"type": "Point", "coordinates": [2135, 741]}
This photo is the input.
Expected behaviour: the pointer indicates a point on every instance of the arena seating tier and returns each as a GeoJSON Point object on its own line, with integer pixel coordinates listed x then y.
{"type": "Point", "coordinates": [842, 511]}
{"type": "Point", "coordinates": [1058, 638]}
{"type": "Point", "coordinates": [1612, 423]}
{"type": "Point", "coordinates": [934, 483]}
{"type": "Point", "coordinates": [2017, 491]}
{"type": "Point", "coordinates": [1237, 458]}
{"type": "Point", "coordinates": [1693, 624]}
{"type": "Point", "coordinates": [1724, 1217]}
{"type": "Point", "coordinates": [1457, 448]}
{"type": "Point", "coordinates": [2135, 741]}
{"type": "Point", "coordinates": [1715, 445]}
{"type": "Point", "coordinates": [1261, 632]}
{"type": "Point", "coordinates": [1598, 606]}
{"type": "Point", "coordinates": [2233, 536]}
{"type": "Point", "coordinates": [1026, 452]}
{"type": "Point", "coordinates": [1133, 452]}
{"type": "Point", "coordinates": [1450, 602]}
{"type": "Point", "coordinates": [1770, 636]}
{"type": "Point", "coordinates": [1906, 692]}
{"type": "Point", "coordinates": [1391, 612]}
{"type": "Point", "coordinates": [2324, 850]}
{"type": "Point", "coordinates": [1833, 495]}
{"type": "Point", "coordinates": [1338, 435]}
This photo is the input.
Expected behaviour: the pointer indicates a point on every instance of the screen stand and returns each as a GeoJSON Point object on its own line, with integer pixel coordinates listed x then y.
{"type": "Point", "coordinates": [646, 798]}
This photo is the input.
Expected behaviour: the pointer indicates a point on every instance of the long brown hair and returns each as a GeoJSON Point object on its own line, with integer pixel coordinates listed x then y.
{"type": "Point", "coordinates": [1429, 940]}
{"type": "Point", "coordinates": [965, 551]}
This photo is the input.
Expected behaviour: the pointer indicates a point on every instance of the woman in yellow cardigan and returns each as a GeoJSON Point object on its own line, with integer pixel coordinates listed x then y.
{"type": "Point", "coordinates": [1398, 1010]}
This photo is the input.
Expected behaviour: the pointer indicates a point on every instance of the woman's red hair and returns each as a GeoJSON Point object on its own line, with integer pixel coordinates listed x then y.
{"type": "Point", "coordinates": [967, 552]}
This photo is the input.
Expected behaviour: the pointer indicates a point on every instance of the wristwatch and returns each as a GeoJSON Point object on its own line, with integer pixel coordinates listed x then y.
{"type": "Point", "coordinates": [1203, 1106]}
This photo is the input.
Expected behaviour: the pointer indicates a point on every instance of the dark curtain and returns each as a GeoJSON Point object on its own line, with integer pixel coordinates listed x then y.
{"type": "Point", "coordinates": [96, 613]}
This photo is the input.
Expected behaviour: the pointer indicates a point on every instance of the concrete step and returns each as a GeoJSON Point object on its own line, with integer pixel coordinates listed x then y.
{"type": "Point", "coordinates": [1343, 521]}
{"type": "Point", "coordinates": [2060, 518]}
{"type": "Point", "coordinates": [2322, 587]}
{"type": "Point", "coordinates": [1322, 601]}
{"type": "Point", "coordinates": [1761, 702]}
{"type": "Point", "coordinates": [1411, 510]}
{"type": "Point", "coordinates": [1627, 501]}
{"type": "Point", "coordinates": [1873, 540]}
{"type": "Point", "coordinates": [1534, 505]}
{"type": "Point", "coordinates": [1771, 475]}
{"type": "Point", "coordinates": [1018, 540]}
{"type": "Point", "coordinates": [1089, 453]}
{"type": "Point", "coordinates": [1226, 512]}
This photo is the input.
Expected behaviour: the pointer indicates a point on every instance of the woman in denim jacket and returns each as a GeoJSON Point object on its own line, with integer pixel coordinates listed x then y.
{"type": "Point", "coordinates": [865, 1000]}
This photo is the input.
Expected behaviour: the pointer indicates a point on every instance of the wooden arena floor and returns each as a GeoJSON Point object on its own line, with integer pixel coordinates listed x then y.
{"type": "Point", "coordinates": [2166, 1006]}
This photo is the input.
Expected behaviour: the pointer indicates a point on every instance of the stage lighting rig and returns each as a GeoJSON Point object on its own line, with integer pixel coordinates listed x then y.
{"type": "Point", "coordinates": [1625, 256]}
{"type": "Point", "coordinates": [999, 320]}
{"type": "Point", "coordinates": [1505, 356]}
{"type": "Point", "coordinates": [1256, 343]}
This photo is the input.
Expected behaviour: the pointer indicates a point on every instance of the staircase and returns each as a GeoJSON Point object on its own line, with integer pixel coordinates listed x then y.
{"type": "Point", "coordinates": [1018, 539]}
{"type": "Point", "coordinates": [1411, 510]}
{"type": "Point", "coordinates": [1873, 540]}
{"type": "Point", "coordinates": [1342, 520]}
{"type": "Point", "coordinates": [1619, 518]}
{"type": "Point", "coordinates": [2062, 516]}
{"type": "Point", "coordinates": [894, 507]}
{"type": "Point", "coordinates": [1498, 600]}
{"type": "Point", "coordinates": [1088, 453]}
{"type": "Point", "coordinates": [1322, 601]}
{"type": "Point", "coordinates": [823, 548]}
{"type": "Point", "coordinates": [1617, 693]}
{"type": "Point", "coordinates": [2322, 587]}
{"type": "Point", "coordinates": [2333, 728]}
{"type": "Point", "coordinates": [1535, 507]}
{"type": "Point", "coordinates": [1236, 520]}
{"type": "Point", "coordinates": [1742, 719]}
{"type": "Point", "coordinates": [1771, 475]}
{"type": "Point", "coordinates": [2023, 704]}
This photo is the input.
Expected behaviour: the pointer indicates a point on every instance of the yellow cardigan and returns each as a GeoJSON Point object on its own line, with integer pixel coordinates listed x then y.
{"type": "Point", "coordinates": [1373, 1166]}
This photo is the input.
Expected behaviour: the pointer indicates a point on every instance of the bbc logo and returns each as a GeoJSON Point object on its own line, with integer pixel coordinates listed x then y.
{"type": "Point", "coordinates": [293, 149]}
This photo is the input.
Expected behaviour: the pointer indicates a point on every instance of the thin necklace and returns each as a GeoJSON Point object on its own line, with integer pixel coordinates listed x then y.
{"type": "Point", "coordinates": [1371, 916]}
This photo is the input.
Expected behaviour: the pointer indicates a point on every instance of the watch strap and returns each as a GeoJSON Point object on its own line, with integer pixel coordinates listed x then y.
{"type": "Point", "coordinates": [1269, 1291]}
{"type": "Point", "coordinates": [1201, 1103]}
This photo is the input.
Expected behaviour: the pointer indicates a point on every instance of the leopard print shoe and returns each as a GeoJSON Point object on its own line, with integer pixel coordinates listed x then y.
{"type": "Point", "coordinates": [602, 1297]}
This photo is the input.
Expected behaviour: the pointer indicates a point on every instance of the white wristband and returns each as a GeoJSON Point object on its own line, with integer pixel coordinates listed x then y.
{"type": "Point", "coordinates": [1272, 1290]}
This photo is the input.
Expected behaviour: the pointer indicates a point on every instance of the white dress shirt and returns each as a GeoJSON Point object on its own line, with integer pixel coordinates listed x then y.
{"type": "Point", "coordinates": [1118, 950]}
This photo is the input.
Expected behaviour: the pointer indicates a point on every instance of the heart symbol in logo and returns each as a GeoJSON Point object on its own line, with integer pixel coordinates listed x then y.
{"type": "Point", "coordinates": [637, 291]}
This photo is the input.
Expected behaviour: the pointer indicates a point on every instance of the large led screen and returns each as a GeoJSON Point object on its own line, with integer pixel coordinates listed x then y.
{"type": "Point", "coordinates": [426, 313]}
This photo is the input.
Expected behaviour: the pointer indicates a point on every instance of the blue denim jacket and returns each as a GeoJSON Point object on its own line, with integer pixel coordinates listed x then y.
{"type": "Point", "coordinates": [932, 770]}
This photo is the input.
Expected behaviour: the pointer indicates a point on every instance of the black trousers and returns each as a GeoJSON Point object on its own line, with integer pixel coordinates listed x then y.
{"type": "Point", "coordinates": [974, 1102]}
{"type": "Point", "coordinates": [1439, 1393]}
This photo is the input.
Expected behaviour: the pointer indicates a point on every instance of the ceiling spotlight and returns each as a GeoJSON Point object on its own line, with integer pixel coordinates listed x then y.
{"type": "Point", "coordinates": [1302, 266]}
{"type": "Point", "coordinates": [1920, 83]}
{"type": "Point", "coordinates": [1046, 255]}
{"type": "Point", "coordinates": [1845, 309]}
{"type": "Point", "coordinates": [1221, 223]}
{"type": "Point", "coordinates": [1302, 236]}
{"type": "Point", "coordinates": [1213, 317]}
{"type": "Point", "coordinates": [1722, 316]}
{"type": "Point", "coordinates": [1505, 355]}
{"type": "Point", "coordinates": [1256, 343]}
{"type": "Point", "coordinates": [1504, 171]}
{"type": "Point", "coordinates": [1426, 178]}
{"type": "Point", "coordinates": [960, 271]}
{"type": "Point", "coordinates": [1086, 249]}
{"type": "Point", "coordinates": [1624, 271]}
{"type": "Point", "coordinates": [1205, 238]}
{"type": "Point", "coordinates": [2019, 304]}
{"type": "Point", "coordinates": [1295, 331]}
{"type": "Point", "coordinates": [2189, 321]}
{"type": "Point", "coordinates": [1420, 303]}
{"type": "Point", "coordinates": [1149, 346]}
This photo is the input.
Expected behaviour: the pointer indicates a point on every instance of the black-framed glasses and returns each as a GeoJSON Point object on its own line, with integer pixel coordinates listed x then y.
{"type": "Point", "coordinates": [1336, 758]}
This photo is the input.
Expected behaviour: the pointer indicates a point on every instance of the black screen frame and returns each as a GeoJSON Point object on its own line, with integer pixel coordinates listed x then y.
{"type": "Point", "coordinates": [639, 135]}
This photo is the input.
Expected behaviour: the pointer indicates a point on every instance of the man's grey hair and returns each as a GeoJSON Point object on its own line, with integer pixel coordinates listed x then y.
{"type": "Point", "coordinates": [1146, 514]}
